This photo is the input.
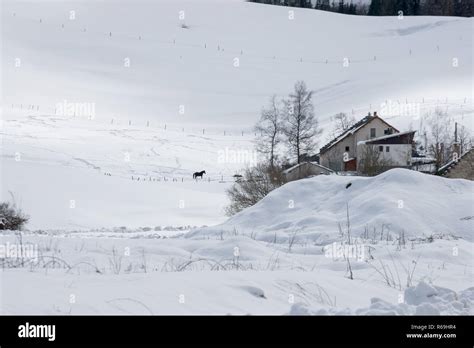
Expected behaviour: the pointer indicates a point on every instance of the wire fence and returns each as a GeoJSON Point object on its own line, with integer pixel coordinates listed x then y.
{"type": "Point", "coordinates": [250, 57]}
{"type": "Point", "coordinates": [36, 110]}
{"type": "Point", "coordinates": [464, 105]}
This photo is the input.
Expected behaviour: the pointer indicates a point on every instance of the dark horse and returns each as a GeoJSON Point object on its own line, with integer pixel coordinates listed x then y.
{"type": "Point", "coordinates": [195, 175]}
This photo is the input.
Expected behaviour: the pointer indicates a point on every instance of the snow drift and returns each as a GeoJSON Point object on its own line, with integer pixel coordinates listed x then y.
{"type": "Point", "coordinates": [397, 201]}
{"type": "Point", "coordinates": [423, 299]}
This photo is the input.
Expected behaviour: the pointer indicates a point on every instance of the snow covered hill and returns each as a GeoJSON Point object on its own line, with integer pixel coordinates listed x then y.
{"type": "Point", "coordinates": [396, 202]}
{"type": "Point", "coordinates": [159, 89]}
{"type": "Point", "coordinates": [191, 61]}
{"type": "Point", "coordinates": [144, 59]}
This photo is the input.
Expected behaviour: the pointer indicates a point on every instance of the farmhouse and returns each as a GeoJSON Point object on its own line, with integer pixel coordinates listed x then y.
{"type": "Point", "coordinates": [370, 145]}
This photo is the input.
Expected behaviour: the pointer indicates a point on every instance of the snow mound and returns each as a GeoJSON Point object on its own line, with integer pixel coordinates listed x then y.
{"type": "Point", "coordinates": [423, 299]}
{"type": "Point", "coordinates": [399, 201]}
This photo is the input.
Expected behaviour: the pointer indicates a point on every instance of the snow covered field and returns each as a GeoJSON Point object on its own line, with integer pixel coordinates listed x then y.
{"type": "Point", "coordinates": [111, 177]}
{"type": "Point", "coordinates": [232, 269]}
{"type": "Point", "coordinates": [107, 111]}
{"type": "Point", "coordinates": [182, 276]}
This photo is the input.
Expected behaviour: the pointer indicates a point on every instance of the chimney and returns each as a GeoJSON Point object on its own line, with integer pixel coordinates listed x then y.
{"type": "Point", "coordinates": [375, 113]}
{"type": "Point", "coordinates": [456, 147]}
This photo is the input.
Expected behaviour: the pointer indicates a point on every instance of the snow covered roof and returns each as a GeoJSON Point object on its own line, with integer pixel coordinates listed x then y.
{"type": "Point", "coordinates": [289, 170]}
{"type": "Point", "coordinates": [351, 130]}
{"type": "Point", "coordinates": [444, 169]}
{"type": "Point", "coordinates": [394, 135]}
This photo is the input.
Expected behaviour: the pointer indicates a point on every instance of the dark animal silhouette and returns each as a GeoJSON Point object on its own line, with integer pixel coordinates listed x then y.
{"type": "Point", "coordinates": [195, 175]}
{"type": "Point", "coordinates": [348, 185]}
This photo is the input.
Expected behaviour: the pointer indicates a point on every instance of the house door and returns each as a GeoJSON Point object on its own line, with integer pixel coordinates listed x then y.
{"type": "Point", "coordinates": [351, 165]}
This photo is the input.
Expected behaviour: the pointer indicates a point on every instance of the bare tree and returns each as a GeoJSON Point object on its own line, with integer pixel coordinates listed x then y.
{"type": "Point", "coordinates": [440, 137]}
{"type": "Point", "coordinates": [342, 122]}
{"type": "Point", "coordinates": [269, 126]}
{"type": "Point", "coordinates": [255, 184]}
{"type": "Point", "coordinates": [464, 139]}
{"type": "Point", "coordinates": [372, 161]}
{"type": "Point", "coordinates": [301, 127]}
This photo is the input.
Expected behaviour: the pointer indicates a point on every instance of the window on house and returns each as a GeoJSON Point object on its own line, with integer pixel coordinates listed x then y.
{"type": "Point", "coordinates": [347, 148]}
{"type": "Point", "coordinates": [387, 148]}
{"type": "Point", "coordinates": [372, 132]}
{"type": "Point", "coordinates": [381, 148]}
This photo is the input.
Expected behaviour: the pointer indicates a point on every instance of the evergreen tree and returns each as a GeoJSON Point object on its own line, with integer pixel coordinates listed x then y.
{"type": "Point", "coordinates": [401, 5]}
{"type": "Point", "coordinates": [414, 7]}
{"type": "Point", "coordinates": [384, 7]}
{"type": "Point", "coordinates": [341, 6]}
{"type": "Point", "coordinates": [375, 8]}
{"type": "Point", "coordinates": [352, 9]}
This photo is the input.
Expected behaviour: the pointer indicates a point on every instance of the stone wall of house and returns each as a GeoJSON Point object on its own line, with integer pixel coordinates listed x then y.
{"type": "Point", "coordinates": [464, 169]}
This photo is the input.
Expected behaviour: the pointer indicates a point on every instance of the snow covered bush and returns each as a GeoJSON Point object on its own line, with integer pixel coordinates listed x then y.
{"type": "Point", "coordinates": [11, 218]}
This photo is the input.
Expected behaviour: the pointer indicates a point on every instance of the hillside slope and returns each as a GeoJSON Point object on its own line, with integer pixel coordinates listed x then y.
{"type": "Point", "coordinates": [139, 60]}
{"type": "Point", "coordinates": [168, 97]}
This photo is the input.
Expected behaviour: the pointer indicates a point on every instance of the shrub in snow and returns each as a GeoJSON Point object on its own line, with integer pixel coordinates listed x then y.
{"type": "Point", "coordinates": [256, 183]}
{"type": "Point", "coordinates": [11, 218]}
